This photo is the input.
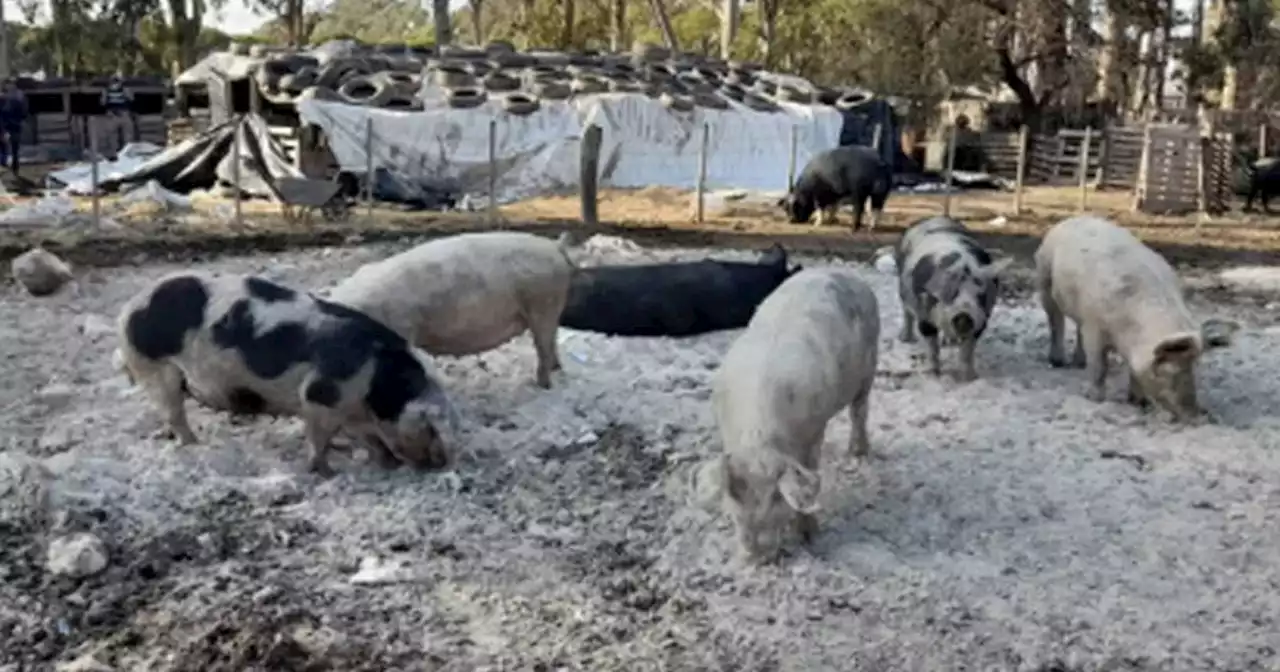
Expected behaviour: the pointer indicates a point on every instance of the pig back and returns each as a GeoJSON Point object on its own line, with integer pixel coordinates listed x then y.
{"type": "Point", "coordinates": [1100, 272]}
{"type": "Point", "coordinates": [810, 348]}
{"type": "Point", "coordinates": [464, 293]}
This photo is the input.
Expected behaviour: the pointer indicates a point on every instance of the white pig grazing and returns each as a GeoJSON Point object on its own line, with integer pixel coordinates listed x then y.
{"type": "Point", "coordinates": [1122, 297]}
{"type": "Point", "coordinates": [250, 346]}
{"type": "Point", "coordinates": [809, 351]}
{"type": "Point", "coordinates": [948, 283]}
{"type": "Point", "coordinates": [469, 293]}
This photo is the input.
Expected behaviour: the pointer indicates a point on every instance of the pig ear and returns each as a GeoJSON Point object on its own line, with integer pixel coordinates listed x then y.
{"type": "Point", "coordinates": [800, 487]}
{"type": "Point", "coordinates": [997, 267]}
{"type": "Point", "coordinates": [1178, 347]}
{"type": "Point", "coordinates": [1218, 333]}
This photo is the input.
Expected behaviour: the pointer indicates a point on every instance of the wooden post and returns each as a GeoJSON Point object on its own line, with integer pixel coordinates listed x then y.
{"type": "Point", "coordinates": [791, 159]}
{"type": "Point", "coordinates": [1202, 170]}
{"type": "Point", "coordinates": [235, 174]}
{"type": "Point", "coordinates": [1140, 184]}
{"type": "Point", "coordinates": [93, 173]}
{"type": "Point", "coordinates": [493, 170]}
{"type": "Point", "coordinates": [875, 137]}
{"type": "Point", "coordinates": [1104, 156]}
{"type": "Point", "coordinates": [702, 171]}
{"type": "Point", "coordinates": [950, 165]}
{"type": "Point", "coordinates": [1020, 176]}
{"type": "Point", "coordinates": [1085, 146]}
{"type": "Point", "coordinates": [1262, 140]}
{"type": "Point", "coordinates": [589, 173]}
{"type": "Point", "coordinates": [368, 167]}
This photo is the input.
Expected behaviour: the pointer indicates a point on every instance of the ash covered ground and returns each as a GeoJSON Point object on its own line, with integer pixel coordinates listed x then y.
{"type": "Point", "coordinates": [1012, 525]}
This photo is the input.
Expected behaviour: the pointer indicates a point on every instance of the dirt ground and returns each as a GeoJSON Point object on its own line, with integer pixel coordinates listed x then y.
{"type": "Point", "coordinates": [654, 216]}
{"type": "Point", "coordinates": [1011, 525]}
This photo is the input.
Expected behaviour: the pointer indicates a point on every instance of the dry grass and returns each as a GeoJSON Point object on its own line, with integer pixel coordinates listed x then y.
{"type": "Point", "coordinates": [984, 210]}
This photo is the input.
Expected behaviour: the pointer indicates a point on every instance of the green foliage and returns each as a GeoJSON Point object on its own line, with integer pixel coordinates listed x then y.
{"type": "Point", "coordinates": [374, 21]}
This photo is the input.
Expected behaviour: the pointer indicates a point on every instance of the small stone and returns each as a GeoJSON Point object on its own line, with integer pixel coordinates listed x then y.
{"type": "Point", "coordinates": [78, 555]}
{"type": "Point", "coordinates": [85, 663]}
{"type": "Point", "coordinates": [94, 326]}
{"type": "Point", "coordinates": [40, 272]}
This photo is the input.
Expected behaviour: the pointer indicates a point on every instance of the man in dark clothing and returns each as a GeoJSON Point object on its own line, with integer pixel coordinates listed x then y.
{"type": "Point", "coordinates": [117, 121]}
{"type": "Point", "coordinates": [13, 114]}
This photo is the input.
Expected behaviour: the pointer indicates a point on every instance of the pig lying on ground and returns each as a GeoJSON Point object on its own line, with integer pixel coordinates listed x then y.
{"type": "Point", "coordinates": [1123, 297]}
{"type": "Point", "coordinates": [809, 351]}
{"type": "Point", "coordinates": [675, 299]}
{"type": "Point", "coordinates": [852, 174]}
{"type": "Point", "coordinates": [469, 293]}
{"type": "Point", "coordinates": [947, 283]}
{"type": "Point", "coordinates": [249, 346]}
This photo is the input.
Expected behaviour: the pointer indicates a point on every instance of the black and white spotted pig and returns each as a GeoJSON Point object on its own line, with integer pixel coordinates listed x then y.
{"type": "Point", "coordinates": [947, 284]}
{"type": "Point", "coordinates": [249, 346]}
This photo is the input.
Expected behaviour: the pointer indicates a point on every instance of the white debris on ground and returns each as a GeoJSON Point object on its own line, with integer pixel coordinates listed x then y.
{"type": "Point", "coordinates": [77, 178]}
{"type": "Point", "coordinates": [40, 271]}
{"type": "Point", "coordinates": [1011, 525]}
{"type": "Point", "coordinates": [77, 555]}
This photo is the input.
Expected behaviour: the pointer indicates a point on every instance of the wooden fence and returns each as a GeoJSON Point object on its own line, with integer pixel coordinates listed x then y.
{"type": "Point", "coordinates": [1183, 171]}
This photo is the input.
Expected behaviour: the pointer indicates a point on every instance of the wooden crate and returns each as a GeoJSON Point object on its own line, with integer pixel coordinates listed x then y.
{"type": "Point", "coordinates": [1171, 181]}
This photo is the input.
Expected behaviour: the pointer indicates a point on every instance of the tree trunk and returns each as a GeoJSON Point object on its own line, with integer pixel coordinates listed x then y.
{"type": "Point", "coordinates": [440, 17]}
{"type": "Point", "coordinates": [1142, 83]}
{"type": "Point", "coordinates": [617, 25]}
{"type": "Point", "coordinates": [728, 28]}
{"type": "Point", "coordinates": [1222, 12]}
{"type": "Point", "coordinates": [768, 28]}
{"type": "Point", "coordinates": [1110, 64]}
{"type": "Point", "coordinates": [566, 30]}
{"type": "Point", "coordinates": [1166, 49]}
{"type": "Point", "coordinates": [477, 21]}
{"type": "Point", "coordinates": [664, 24]}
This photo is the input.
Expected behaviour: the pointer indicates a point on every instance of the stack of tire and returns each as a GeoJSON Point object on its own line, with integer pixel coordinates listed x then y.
{"type": "Point", "coordinates": [391, 77]}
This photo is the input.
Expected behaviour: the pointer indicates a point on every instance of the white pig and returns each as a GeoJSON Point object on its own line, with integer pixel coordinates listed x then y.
{"type": "Point", "coordinates": [809, 351]}
{"type": "Point", "coordinates": [469, 293]}
{"type": "Point", "coordinates": [1122, 297]}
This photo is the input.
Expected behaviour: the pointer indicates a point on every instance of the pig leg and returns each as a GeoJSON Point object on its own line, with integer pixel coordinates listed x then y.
{"type": "Point", "coordinates": [321, 426]}
{"type": "Point", "coordinates": [1078, 359]}
{"type": "Point", "coordinates": [806, 525]}
{"type": "Point", "coordinates": [908, 333]}
{"type": "Point", "coordinates": [859, 442]}
{"type": "Point", "coordinates": [1095, 346]}
{"type": "Point", "coordinates": [1057, 358]}
{"type": "Point", "coordinates": [542, 325]}
{"type": "Point", "coordinates": [967, 345]}
{"type": "Point", "coordinates": [935, 353]}
{"type": "Point", "coordinates": [859, 206]}
{"type": "Point", "coordinates": [165, 385]}
{"type": "Point", "coordinates": [379, 451]}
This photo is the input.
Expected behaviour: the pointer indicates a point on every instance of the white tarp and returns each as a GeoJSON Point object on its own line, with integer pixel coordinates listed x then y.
{"type": "Point", "coordinates": [644, 143]}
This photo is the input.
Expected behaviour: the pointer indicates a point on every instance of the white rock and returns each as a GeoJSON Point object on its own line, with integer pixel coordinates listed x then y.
{"type": "Point", "coordinates": [78, 555]}
{"type": "Point", "coordinates": [85, 663]}
{"type": "Point", "coordinates": [40, 272]}
{"type": "Point", "coordinates": [375, 571]}
{"type": "Point", "coordinates": [94, 326]}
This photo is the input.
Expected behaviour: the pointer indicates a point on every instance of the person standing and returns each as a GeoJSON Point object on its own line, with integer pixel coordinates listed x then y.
{"type": "Point", "coordinates": [13, 114]}
{"type": "Point", "coordinates": [117, 117]}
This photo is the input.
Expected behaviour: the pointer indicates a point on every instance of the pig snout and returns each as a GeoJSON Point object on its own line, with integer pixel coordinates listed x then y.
{"type": "Point", "coordinates": [963, 325]}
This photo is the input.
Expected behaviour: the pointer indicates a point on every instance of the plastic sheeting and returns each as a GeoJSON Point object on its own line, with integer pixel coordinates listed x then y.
{"type": "Point", "coordinates": [200, 162]}
{"type": "Point", "coordinates": [644, 143]}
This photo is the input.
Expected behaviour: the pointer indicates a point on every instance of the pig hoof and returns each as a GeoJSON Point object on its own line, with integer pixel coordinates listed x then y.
{"type": "Point", "coordinates": [1095, 395]}
{"type": "Point", "coordinates": [967, 376]}
{"type": "Point", "coordinates": [1057, 362]}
